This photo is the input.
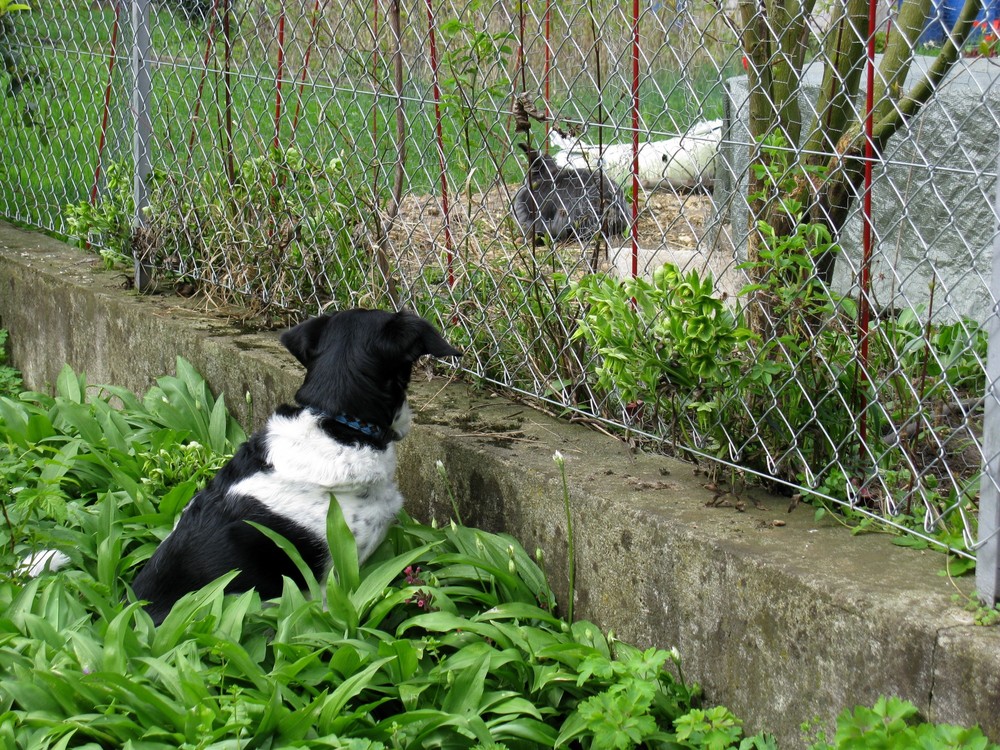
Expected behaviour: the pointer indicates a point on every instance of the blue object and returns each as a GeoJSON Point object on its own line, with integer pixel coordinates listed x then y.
{"type": "Point", "coordinates": [944, 13]}
{"type": "Point", "coordinates": [365, 428]}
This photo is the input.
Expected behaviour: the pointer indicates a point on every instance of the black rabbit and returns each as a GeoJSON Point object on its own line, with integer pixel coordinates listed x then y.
{"type": "Point", "coordinates": [566, 203]}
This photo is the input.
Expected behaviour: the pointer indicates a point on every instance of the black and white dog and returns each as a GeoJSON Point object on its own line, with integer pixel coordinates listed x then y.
{"type": "Point", "coordinates": [337, 442]}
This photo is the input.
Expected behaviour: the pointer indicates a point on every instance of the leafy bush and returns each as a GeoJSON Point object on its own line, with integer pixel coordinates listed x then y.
{"type": "Point", "coordinates": [62, 454]}
{"type": "Point", "coordinates": [670, 335]}
{"type": "Point", "coordinates": [447, 636]}
{"type": "Point", "coordinates": [668, 345]}
{"type": "Point", "coordinates": [893, 723]}
{"type": "Point", "coordinates": [107, 224]}
{"type": "Point", "coordinates": [787, 404]}
{"type": "Point", "coordinates": [274, 233]}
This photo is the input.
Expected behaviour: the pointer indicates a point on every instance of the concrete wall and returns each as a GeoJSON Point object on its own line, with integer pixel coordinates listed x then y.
{"type": "Point", "coordinates": [781, 618]}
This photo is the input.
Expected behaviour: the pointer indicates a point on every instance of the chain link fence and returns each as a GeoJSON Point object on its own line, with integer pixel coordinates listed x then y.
{"type": "Point", "coordinates": [785, 273]}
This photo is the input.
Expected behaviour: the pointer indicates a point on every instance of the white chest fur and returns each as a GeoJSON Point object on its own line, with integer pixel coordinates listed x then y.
{"type": "Point", "coordinates": [309, 467]}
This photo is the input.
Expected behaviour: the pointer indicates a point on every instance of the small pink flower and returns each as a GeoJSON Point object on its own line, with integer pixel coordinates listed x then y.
{"type": "Point", "coordinates": [422, 599]}
{"type": "Point", "coordinates": [413, 575]}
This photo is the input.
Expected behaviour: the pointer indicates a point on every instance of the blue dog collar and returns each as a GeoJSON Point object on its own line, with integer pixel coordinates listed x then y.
{"type": "Point", "coordinates": [365, 428]}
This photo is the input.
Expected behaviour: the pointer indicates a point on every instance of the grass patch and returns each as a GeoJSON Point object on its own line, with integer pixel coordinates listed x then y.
{"type": "Point", "coordinates": [49, 155]}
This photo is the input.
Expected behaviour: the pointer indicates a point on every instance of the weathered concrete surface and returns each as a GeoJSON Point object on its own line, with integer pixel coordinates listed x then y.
{"type": "Point", "coordinates": [780, 623]}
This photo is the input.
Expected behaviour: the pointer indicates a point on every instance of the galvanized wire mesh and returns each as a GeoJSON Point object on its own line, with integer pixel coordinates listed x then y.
{"type": "Point", "coordinates": [307, 155]}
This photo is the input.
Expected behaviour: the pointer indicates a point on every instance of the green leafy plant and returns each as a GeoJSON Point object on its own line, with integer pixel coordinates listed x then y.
{"type": "Point", "coordinates": [60, 454]}
{"type": "Point", "coordinates": [717, 729]}
{"type": "Point", "coordinates": [106, 225]}
{"type": "Point", "coordinates": [942, 359]}
{"type": "Point", "coordinates": [669, 346]}
{"type": "Point", "coordinates": [786, 267]}
{"type": "Point", "coordinates": [475, 61]}
{"type": "Point", "coordinates": [786, 405]}
{"type": "Point", "coordinates": [676, 330]}
{"type": "Point", "coordinates": [281, 210]}
{"type": "Point", "coordinates": [621, 715]}
{"type": "Point", "coordinates": [803, 375]}
{"type": "Point", "coordinates": [284, 211]}
{"type": "Point", "coordinates": [12, 6]}
{"type": "Point", "coordinates": [806, 381]}
{"type": "Point", "coordinates": [446, 637]}
{"type": "Point", "coordinates": [983, 614]}
{"type": "Point", "coordinates": [895, 723]}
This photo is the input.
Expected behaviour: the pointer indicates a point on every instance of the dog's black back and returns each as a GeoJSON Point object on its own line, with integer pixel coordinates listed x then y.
{"type": "Point", "coordinates": [358, 366]}
{"type": "Point", "coordinates": [213, 538]}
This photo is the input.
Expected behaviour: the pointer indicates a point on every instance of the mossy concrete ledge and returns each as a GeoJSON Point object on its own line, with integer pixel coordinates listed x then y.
{"type": "Point", "coordinates": [780, 618]}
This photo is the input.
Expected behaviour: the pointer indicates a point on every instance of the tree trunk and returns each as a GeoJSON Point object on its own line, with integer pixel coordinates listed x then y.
{"type": "Point", "coordinates": [837, 192]}
{"type": "Point", "coordinates": [835, 139]}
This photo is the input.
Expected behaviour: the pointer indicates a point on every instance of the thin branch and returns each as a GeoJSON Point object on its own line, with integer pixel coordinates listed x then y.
{"type": "Point", "coordinates": [921, 93]}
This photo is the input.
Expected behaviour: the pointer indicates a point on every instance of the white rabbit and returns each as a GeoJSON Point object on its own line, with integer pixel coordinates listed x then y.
{"type": "Point", "coordinates": [687, 161]}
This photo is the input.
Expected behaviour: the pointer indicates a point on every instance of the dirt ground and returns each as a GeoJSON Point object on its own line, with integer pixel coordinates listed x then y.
{"type": "Point", "coordinates": [482, 229]}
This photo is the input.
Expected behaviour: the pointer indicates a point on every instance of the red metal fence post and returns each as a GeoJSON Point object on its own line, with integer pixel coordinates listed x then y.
{"type": "Point", "coordinates": [440, 143]}
{"type": "Point", "coordinates": [107, 102]}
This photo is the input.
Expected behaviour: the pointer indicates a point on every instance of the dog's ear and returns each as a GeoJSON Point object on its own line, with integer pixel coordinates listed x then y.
{"type": "Point", "coordinates": [302, 340]}
{"type": "Point", "coordinates": [415, 337]}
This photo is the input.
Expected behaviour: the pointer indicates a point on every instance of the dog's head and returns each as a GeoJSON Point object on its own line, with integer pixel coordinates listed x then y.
{"type": "Point", "coordinates": [359, 362]}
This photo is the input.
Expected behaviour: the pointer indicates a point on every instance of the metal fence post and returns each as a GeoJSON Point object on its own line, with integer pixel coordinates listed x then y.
{"type": "Point", "coordinates": [141, 141]}
{"type": "Point", "coordinates": [988, 551]}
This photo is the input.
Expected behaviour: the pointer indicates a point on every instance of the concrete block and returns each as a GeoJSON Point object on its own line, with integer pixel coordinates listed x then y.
{"type": "Point", "coordinates": [728, 279]}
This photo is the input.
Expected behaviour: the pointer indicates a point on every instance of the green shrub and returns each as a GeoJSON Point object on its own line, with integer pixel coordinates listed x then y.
{"type": "Point", "coordinates": [107, 225]}
{"type": "Point", "coordinates": [278, 232]}
{"type": "Point", "coordinates": [893, 723]}
{"type": "Point", "coordinates": [668, 348]}
{"type": "Point", "coordinates": [680, 363]}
